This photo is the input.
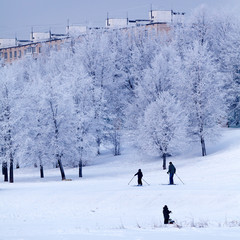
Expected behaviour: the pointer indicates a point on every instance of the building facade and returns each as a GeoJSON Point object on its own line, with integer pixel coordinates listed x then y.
{"type": "Point", "coordinates": [12, 53]}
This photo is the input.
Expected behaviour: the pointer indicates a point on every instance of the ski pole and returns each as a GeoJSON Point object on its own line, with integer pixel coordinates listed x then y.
{"type": "Point", "coordinates": [131, 179]}
{"type": "Point", "coordinates": [146, 182]}
{"type": "Point", "coordinates": [179, 178]}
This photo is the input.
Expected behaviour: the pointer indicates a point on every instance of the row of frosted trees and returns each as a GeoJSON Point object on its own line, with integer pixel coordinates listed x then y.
{"type": "Point", "coordinates": [172, 91]}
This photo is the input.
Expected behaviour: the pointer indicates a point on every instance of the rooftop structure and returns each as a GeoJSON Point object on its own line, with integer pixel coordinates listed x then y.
{"type": "Point", "coordinates": [160, 16]}
{"type": "Point", "coordinates": [40, 36]}
{"type": "Point", "coordinates": [155, 16]}
{"type": "Point", "coordinates": [75, 30]}
{"type": "Point", "coordinates": [116, 22]}
{"type": "Point", "coordinates": [7, 42]}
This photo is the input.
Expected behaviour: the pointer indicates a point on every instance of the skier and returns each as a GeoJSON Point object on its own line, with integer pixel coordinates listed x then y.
{"type": "Point", "coordinates": [166, 213]}
{"type": "Point", "coordinates": [140, 175]}
{"type": "Point", "coordinates": [171, 172]}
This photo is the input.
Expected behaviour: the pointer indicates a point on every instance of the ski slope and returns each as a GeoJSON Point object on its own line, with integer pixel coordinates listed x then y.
{"type": "Point", "coordinates": [102, 205]}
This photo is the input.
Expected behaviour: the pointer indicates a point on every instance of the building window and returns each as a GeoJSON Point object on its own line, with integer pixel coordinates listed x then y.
{"type": "Point", "coordinates": [5, 55]}
{"type": "Point", "coordinates": [19, 53]}
{"type": "Point", "coordinates": [10, 54]}
{"type": "Point", "coordinates": [29, 50]}
{"type": "Point", "coordinates": [0, 55]}
{"type": "Point", "coordinates": [25, 51]}
{"type": "Point", "coordinates": [15, 54]}
{"type": "Point", "coordinates": [33, 49]}
{"type": "Point", "coordinates": [39, 49]}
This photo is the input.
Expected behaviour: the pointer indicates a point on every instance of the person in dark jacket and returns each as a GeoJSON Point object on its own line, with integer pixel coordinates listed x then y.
{"type": "Point", "coordinates": [140, 175]}
{"type": "Point", "coordinates": [171, 172]}
{"type": "Point", "coordinates": [166, 213]}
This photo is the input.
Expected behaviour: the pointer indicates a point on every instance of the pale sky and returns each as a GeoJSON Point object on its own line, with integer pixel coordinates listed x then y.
{"type": "Point", "coordinates": [17, 17]}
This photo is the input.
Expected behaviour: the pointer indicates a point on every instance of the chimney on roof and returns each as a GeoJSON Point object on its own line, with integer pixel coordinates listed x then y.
{"type": "Point", "coordinates": [68, 27]}
{"type": "Point", "coordinates": [151, 15]}
{"type": "Point", "coordinates": [32, 34]}
{"type": "Point", "coordinates": [107, 20]}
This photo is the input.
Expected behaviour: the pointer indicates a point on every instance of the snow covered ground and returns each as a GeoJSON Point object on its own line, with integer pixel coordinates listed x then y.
{"type": "Point", "coordinates": [102, 205]}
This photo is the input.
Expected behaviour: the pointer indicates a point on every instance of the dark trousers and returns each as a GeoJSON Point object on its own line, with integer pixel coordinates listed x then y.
{"type": "Point", "coordinates": [166, 220]}
{"type": "Point", "coordinates": [139, 181]}
{"type": "Point", "coordinates": [171, 178]}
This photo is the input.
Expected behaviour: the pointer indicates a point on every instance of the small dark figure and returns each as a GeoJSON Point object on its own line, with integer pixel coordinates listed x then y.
{"type": "Point", "coordinates": [171, 172]}
{"type": "Point", "coordinates": [140, 175]}
{"type": "Point", "coordinates": [166, 213]}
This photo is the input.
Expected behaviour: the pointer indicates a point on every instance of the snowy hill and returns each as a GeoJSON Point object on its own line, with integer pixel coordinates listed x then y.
{"type": "Point", "coordinates": [102, 205]}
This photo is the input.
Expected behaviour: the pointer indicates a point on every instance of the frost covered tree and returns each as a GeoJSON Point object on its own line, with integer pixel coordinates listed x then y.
{"type": "Point", "coordinates": [144, 49]}
{"type": "Point", "coordinates": [36, 130]}
{"type": "Point", "coordinates": [226, 47]}
{"type": "Point", "coordinates": [218, 31]}
{"type": "Point", "coordinates": [160, 76]}
{"type": "Point", "coordinates": [10, 122]}
{"type": "Point", "coordinates": [83, 128]}
{"type": "Point", "coordinates": [202, 95]}
{"type": "Point", "coordinates": [94, 50]}
{"type": "Point", "coordinates": [56, 97]}
{"type": "Point", "coordinates": [163, 127]}
{"type": "Point", "coordinates": [118, 90]}
{"type": "Point", "coordinates": [83, 121]}
{"type": "Point", "coordinates": [6, 132]}
{"type": "Point", "coordinates": [105, 62]}
{"type": "Point", "coordinates": [199, 25]}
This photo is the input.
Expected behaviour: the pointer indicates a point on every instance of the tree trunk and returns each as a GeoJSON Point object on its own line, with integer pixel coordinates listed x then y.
{"type": "Point", "coordinates": [98, 145]}
{"type": "Point", "coordinates": [11, 169]}
{"type": "Point", "coordinates": [61, 167]}
{"type": "Point", "coordinates": [80, 168]}
{"type": "Point", "coordinates": [116, 143]}
{"type": "Point", "coordinates": [5, 171]}
{"type": "Point", "coordinates": [58, 156]}
{"type": "Point", "coordinates": [6, 176]}
{"type": "Point", "coordinates": [116, 149]}
{"type": "Point", "coordinates": [41, 172]}
{"type": "Point", "coordinates": [204, 153]}
{"type": "Point", "coordinates": [164, 161]}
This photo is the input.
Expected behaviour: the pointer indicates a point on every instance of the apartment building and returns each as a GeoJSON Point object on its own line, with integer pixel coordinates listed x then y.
{"type": "Point", "coordinates": [13, 49]}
